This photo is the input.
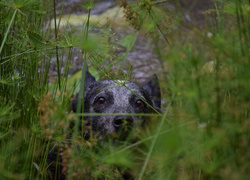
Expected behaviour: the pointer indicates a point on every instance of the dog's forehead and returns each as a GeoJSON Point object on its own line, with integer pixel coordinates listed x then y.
{"type": "Point", "coordinates": [118, 85]}
{"type": "Point", "coordinates": [118, 88]}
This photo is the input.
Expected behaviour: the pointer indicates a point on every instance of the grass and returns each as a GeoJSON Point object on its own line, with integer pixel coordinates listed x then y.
{"type": "Point", "coordinates": [203, 133]}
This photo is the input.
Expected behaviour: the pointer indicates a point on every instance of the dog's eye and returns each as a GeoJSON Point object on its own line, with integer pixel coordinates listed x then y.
{"type": "Point", "coordinates": [101, 100]}
{"type": "Point", "coordinates": [139, 104]}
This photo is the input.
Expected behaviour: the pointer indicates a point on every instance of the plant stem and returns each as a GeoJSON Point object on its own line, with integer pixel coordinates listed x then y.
{"type": "Point", "coordinates": [80, 103]}
{"type": "Point", "coordinates": [61, 14]}
{"type": "Point", "coordinates": [57, 58]}
{"type": "Point", "coordinates": [7, 32]}
{"type": "Point", "coordinates": [142, 100]}
{"type": "Point", "coordinates": [157, 25]}
{"type": "Point", "coordinates": [154, 140]}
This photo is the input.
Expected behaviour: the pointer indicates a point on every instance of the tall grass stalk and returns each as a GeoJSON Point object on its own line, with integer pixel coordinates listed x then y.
{"type": "Point", "coordinates": [152, 146]}
{"type": "Point", "coordinates": [142, 100]}
{"type": "Point", "coordinates": [57, 58]}
{"type": "Point", "coordinates": [7, 31]}
{"type": "Point", "coordinates": [80, 104]}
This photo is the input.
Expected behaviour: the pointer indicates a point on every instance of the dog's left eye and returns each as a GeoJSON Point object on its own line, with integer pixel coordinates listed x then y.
{"type": "Point", "coordinates": [101, 100]}
{"type": "Point", "coordinates": [139, 104]}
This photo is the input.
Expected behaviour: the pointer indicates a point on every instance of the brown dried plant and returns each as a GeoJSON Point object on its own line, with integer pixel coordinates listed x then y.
{"type": "Point", "coordinates": [56, 127]}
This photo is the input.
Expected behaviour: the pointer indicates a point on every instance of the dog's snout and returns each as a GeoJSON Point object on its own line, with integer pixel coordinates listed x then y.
{"type": "Point", "coordinates": [119, 121]}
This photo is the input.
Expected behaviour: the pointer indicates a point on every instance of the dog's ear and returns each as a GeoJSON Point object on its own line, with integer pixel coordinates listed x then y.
{"type": "Point", "coordinates": [89, 79]}
{"type": "Point", "coordinates": [153, 88]}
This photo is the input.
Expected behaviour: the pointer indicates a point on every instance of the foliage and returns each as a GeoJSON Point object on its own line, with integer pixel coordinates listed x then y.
{"type": "Point", "coordinates": [202, 134]}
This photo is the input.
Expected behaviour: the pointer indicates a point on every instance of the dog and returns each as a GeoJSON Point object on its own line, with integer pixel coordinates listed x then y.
{"type": "Point", "coordinates": [118, 97]}
{"type": "Point", "coordinates": [111, 97]}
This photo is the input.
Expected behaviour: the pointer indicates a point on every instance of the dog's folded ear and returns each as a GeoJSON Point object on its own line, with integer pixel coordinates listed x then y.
{"type": "Point", "coordinates": [153, 88]}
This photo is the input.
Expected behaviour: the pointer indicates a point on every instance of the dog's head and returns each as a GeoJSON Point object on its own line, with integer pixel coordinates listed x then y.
{"type": "Point", "coordinates": [110, 98]}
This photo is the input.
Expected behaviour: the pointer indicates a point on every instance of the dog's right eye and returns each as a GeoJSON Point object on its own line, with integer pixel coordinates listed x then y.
{"type": "Point", "coordinates": [139, 104]}
{"type": "Point", "coordinates": [101, 100]}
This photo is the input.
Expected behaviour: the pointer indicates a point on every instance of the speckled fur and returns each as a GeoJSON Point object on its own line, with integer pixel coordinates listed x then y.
{"type": "Point", "coordinates": [118, 100]}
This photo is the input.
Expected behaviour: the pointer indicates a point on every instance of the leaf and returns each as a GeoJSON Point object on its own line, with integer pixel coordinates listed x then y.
{"type": "Point", "coordinates": [36, 39]}
{"type": "Point", "coordinates": [128, 42]}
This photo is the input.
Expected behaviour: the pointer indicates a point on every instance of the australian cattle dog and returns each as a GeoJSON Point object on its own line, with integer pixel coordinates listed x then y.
{"type": "Point", "coordinates": [118, 97]}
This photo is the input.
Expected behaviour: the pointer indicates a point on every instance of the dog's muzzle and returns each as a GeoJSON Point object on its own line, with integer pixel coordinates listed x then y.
{"type": "Point", "coordinates": [121, 121]}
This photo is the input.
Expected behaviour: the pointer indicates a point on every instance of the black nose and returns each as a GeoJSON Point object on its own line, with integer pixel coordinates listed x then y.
{"type": "Point", "coordinates": [120, 120]}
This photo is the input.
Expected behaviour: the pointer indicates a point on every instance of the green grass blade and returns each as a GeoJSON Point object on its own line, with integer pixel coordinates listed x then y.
{"type": "Point", "coordinates": [7, 32]}
{"type": "Point", "coordinates": [154, 140]}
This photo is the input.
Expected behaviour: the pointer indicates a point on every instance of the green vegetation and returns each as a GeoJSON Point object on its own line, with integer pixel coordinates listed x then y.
{"type": "Point", "coordinates": [202, 134]}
